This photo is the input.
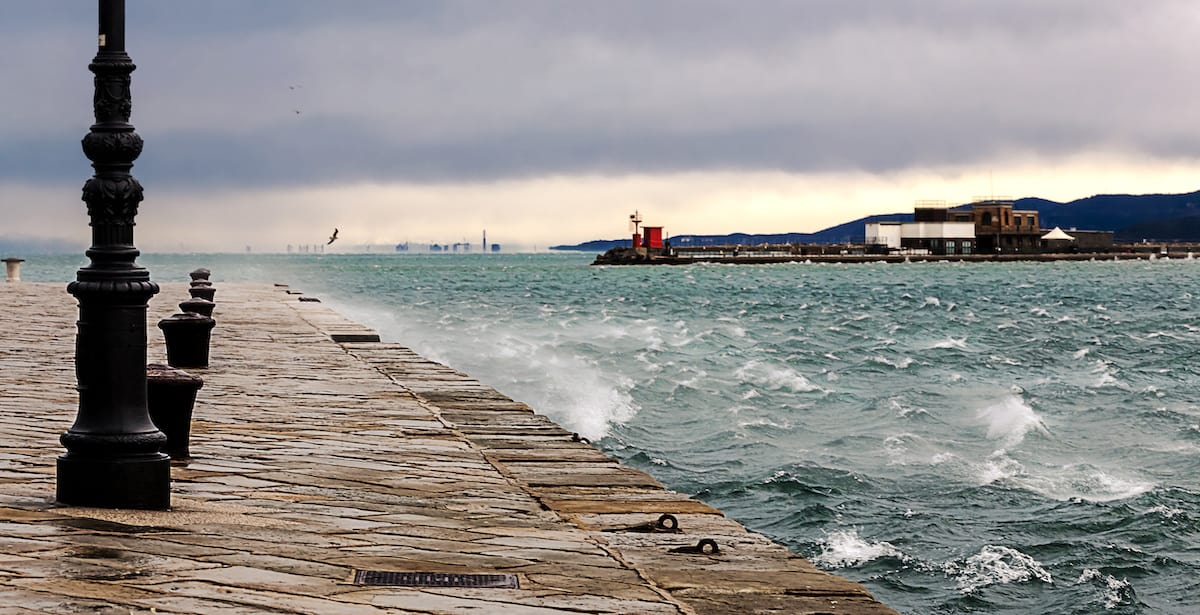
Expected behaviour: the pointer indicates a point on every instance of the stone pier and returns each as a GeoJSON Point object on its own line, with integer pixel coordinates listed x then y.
{"type": "Point", "coordinates": [324, 463]}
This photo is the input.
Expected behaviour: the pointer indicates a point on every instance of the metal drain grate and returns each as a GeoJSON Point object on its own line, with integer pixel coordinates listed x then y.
{"type": "Point", "coordinates": [434, 579]}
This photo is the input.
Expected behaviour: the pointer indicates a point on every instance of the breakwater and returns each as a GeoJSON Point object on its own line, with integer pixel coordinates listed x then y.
{"type": "Point", "coordinates": [358, 476]}
{"type": "Point", "coordinates": [753, 257]}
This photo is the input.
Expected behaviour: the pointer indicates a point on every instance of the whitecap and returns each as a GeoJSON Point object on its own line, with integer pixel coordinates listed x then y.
{"type": "Point", "coordinates": [904, 410]}
{"type": "Point", "coordinates": [902, 363]}
{"type": "Point", "coordinates": [995, 565]}
{"type": "Point", "coordinates": [1010, 420]}
{"type": "Point", "coordinates": [941, 458]}
{"type": "Point", "coordinates": [1039, 312]}
{"type": "Point", "coordinates": [1106, 376]}
{"type": "Point", "coordinates": [1081, 353]}
{"type": "Point", "coordinates": [1116, 591]}
{"type": "Point", "coordinates": [843, 548]}
{"type": "Point", "coordinates": [998, 466]}
{"type": "Point", "coordinates": [775, 377]}
{"type": "Point", "coordinates": [1167, 334]}
{"type": "Point", "coordinates": [933, 301]}
{"type": "Point", "coordinates": [1083, 482]}
{"type": "Point", "coordinates": [1165, 511]}
{"type": "Point", "coordinates": [765, 422]}
{"type": "Point", "coordinates": [959, 344]}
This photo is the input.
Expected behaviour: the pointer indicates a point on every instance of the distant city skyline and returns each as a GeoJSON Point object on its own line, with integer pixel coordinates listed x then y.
{"type": "Point", "coordinates": [270, 123]}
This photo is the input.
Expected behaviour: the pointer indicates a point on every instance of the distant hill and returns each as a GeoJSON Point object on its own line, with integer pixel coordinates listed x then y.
{"type": "Point", "coordinates": [1154, 217]}
{"type": "Point", "coordinates": [1160, 217]}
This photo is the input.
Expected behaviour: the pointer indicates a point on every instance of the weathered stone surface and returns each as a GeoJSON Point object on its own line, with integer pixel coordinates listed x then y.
{"type": "Point", "coordinates": [313, 459]}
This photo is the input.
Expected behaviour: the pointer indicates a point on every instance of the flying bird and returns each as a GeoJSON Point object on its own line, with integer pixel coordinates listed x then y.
{"type": "Point", "coordinates": [333, 237]}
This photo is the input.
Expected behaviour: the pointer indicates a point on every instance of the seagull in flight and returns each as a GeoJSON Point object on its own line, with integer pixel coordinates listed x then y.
{"type": "Point", "coordinates": [333, 237]}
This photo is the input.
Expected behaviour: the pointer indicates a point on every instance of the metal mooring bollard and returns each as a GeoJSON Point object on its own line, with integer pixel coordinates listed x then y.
{"type": "Point", "coordinates": [199, 283]}
{"type": "Point", "coordinates": [202, 292]}
{"type": "Point", "coordinates": [200, 274]}
{"type": "Point", "coordinates": [170, 397]}
{"type": "Point", "coordinates": [203, 307]}
{"type": "Point", "coordinates": [12, 269]}
{"type": "Point", "coordinates": [187, 336]}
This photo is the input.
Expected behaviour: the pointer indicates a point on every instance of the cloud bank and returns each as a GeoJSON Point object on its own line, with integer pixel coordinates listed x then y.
{"type": "Point", "coordinates": [289, 97]}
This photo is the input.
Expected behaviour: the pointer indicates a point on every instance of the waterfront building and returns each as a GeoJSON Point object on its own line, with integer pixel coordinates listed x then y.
{"type": "Point", "coordinates": [1001, 229]}
{"type": "Point", "coordinates": [932, 231]}
{"type": "Point", "coordinates": [986, 226]}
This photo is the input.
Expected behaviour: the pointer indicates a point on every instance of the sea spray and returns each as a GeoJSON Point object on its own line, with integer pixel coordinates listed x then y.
{"type": "Point", "coordinates": [1062, 472]}
{"type": "Point", "coordinates": [1010, 420]}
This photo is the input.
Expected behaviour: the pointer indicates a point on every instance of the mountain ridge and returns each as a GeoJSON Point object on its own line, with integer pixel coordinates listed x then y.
{"type": "Point", "coordinates": [1151, 217]}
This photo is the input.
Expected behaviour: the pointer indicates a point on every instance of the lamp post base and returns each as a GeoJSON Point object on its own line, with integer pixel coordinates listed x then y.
{"type": "Point", "coordinates": [140, 483]}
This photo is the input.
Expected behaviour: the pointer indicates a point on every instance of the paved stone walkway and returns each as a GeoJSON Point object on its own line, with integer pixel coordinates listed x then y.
{"type": "Point", "coordinates": [314, 459]}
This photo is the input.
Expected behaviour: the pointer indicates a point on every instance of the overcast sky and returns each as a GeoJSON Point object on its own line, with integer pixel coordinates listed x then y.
{"type": "Point", "coordinates": [269, 122]}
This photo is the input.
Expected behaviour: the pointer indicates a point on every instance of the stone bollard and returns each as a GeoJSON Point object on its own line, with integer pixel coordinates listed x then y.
{"type": "Point", "coordinates": [203, 307]}
{"type": "Point", "coordinates": [187, 336]}
{"type": "Point", "coordinates": [200, 274]}
{"type": "Point", "coordinates": [12, 269]}
{"type": "Point", "coordinates": [170, 397]}
{"type": "Point", "coordinates": [202, 292]}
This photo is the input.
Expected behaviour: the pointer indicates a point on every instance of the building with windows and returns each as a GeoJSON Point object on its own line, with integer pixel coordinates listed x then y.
{"type": "Point", "coordinates": [932, 231]}
{"type": "Point", "coordinates": [986, 226]}
{"type": "Point", "coordinates": [1001, 229]}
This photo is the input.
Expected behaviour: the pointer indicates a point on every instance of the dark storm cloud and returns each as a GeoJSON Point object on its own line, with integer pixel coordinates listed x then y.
{"type": "Point", "coordinates": [284, 91]}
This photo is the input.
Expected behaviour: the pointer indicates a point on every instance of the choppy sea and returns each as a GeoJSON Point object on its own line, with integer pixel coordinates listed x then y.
{"type": "Point", "coordinates": [995, 438]}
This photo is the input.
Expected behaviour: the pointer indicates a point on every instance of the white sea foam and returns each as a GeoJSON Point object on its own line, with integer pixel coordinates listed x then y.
{"type": "Point", "coordinates": [903, 410]}
{"type": "Point", "coordinates": [942, 458]}
{"type": "Point", "coordinates": [774, 377]}
{"type": "Point", "coordinates": [1037, 311]}
{"type": "Point", "coordinates": [1106, 376]}
{"type": "Point", "coordinates": [998, 466]}
{"type": "Point", "coordinates": [1116, 591]}
{"type": "Point", "coordinates": [1010, 420]}
{"type": "Point", "coordinates": [765, 422]}
{"type": "Point", "coordinates": [933, 302]}
{"type": "Point", "coordinates": [960, 344]}
{"type": "Point", "coordinates": [843, 548]}
{"type": "Point", "coordinates": [1082, 482]}
{"type": "Point", "coordinates": [901, 363]}
{"type": "Point", "coordinates": [1081, 353]}
{"type": "Point", "coordinates": [1164, 511]}
{"type": "Point", "coordinates": [995, 565]}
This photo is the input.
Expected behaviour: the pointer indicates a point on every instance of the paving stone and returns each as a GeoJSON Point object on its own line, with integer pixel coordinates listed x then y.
{"type": "Point", "coordinates": [313, 458]}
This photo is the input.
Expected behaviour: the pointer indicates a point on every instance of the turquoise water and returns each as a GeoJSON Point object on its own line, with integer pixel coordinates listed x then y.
{"type": "Point", "coordinates": [1000, 438]}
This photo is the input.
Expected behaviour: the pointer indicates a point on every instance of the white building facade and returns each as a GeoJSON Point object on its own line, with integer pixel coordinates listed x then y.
{"type": "Point", "coordinates": [921, 237]}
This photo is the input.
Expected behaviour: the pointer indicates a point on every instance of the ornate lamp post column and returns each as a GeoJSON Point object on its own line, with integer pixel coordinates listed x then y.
{"type": "Point", "coordinates": [113, 458]}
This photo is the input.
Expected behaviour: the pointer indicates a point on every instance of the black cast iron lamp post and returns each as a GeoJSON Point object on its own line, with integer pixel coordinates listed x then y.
{"type": "Point", "coordinates": [113, 458]}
